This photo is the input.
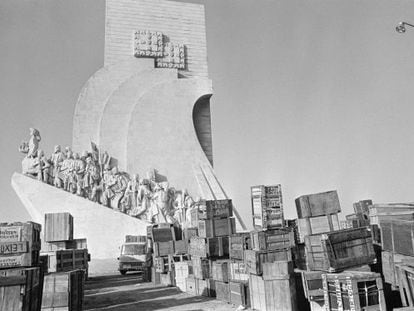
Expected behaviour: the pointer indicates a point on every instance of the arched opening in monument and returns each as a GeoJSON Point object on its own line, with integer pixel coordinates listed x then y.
{"type": "Point", "coordinates": [202, 125]}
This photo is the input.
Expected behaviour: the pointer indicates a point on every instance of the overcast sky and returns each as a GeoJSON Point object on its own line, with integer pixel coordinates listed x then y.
{"type": "Point", "coordinates": [315, 95]}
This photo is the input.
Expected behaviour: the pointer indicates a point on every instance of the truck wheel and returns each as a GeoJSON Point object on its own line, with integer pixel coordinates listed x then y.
{"type": "Point", "coordinates": [123, 272]}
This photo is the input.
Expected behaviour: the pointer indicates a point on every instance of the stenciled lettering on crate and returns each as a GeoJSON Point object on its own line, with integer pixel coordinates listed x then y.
{"type": "Point", "coordinates": [267, 207]}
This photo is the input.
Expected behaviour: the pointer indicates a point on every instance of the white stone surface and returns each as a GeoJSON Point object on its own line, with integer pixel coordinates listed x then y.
{"type": "Point", "coordinates": [104, 228]}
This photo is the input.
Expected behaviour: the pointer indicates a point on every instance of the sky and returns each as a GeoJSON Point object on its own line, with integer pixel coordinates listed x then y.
{"type": "Point", "coordinates": [315, 95]}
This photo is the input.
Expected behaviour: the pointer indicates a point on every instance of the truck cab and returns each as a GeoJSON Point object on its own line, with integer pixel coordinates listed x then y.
{"type": "Point", "coordinates": [134, 257]}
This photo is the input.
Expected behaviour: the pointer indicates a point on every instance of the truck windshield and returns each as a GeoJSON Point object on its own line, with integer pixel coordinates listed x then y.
{"type": "Point", "coordinates": [133, 249]}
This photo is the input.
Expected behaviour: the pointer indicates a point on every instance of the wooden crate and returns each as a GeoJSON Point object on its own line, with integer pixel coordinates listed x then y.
{"type": "Point", "coordinates": [398, 236]}
{"type": "Point", "coordinates": [405, 275]}
{"type": "Point", "coordinates": [64, 290]}
{"type": "Point", "coordinates": [167, 279]}
{"type": "Point", "coordinates": [188, 233]}
{"type": "Point", "coordinates": [163, 233]}
{"type": "Point", "coordinates": [312, 285]}
{"type": "Point", "coordinates": [272, 239]}
{"type": "Point", "coordinates": [199, 287]}
{"type": "Point", "coordinates": [216, 209]}
{"type": "Point", "coordinates": [155, 277]}
{"type": "Point", "coordinates": [238, 271]}
{"type": "Point", "coordinates": [299, 256]}
{"type": "Point", "coordinates": [254, 259]}
{"type": "Point", "coordinates": [19, 244]}
{"type": "Point", "coordinates": [339, 250]}
{"type": "Point", "coordinates": [271, 295]}
{"type": "Point", "coordinates": [191, 287]}
{"type": "Point", "coordinates": [198, 247]}
{"type": "Point", "coordinates": [222, 291]}
{"type": "Point", "coordinates": [238, 243]}
{"type": "Point", "coordinates": [160, 264]}
{"type": "Point", "coordinates": [59, 245]}
{"type": "Point", "coordinates": [182, 271]}
{"type": "Point", "coordinates": [319, 224]}
{"type": "Point", "coordinates": [21, 289]}
{"type": "Point", "coordinates": [380, 212]}
{"type": "Point", "coordinates": [220, 271]}
{"type": "Point", "coordinates": [67, 260]}
{"type": "Point", "coordinates": [266, 191]}
{"type": "Point", "coordinates": [210, 228]}
{"type": "Point", "coordinates": [353, 291]}
{"type": "Point", "coordinates": [390, 261]}
{"type": "Point", "coordinates": [376, 234]}
{"type": "Point", "coordinates": [202, 288]}
{"type": "Point", "coordinates": [239, 293]}
{"type": "Point", "coordinates": [163, 248]}
{"type": "Point", "coordinates": [277, 270]}
{"type": "Point", "coordinates": [357, 220]}
{"type": "Point", "coordinates": [58, 227]}
{"type": "Point", "coordinates": [201, 268]}
{"type": "Point", "coordinates": [135, 239]}
{"type": "Point", "coordinates": [318, 204]}
{"type": "Point", "coordinates": [180, 247]}
{"type": "Point", "coordinates": [218, 247]}
{"type": "Point", "coordinates": [269, 219]}
{"type": "Point", "coordinates": [362, 207]}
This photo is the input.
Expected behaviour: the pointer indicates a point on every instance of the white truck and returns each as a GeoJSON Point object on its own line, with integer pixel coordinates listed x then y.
{"type": "Point", "coordinates": [135, 256]}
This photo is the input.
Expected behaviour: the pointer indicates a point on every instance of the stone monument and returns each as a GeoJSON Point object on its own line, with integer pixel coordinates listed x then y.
{"type": "Point", "coordinates": [147, 107]}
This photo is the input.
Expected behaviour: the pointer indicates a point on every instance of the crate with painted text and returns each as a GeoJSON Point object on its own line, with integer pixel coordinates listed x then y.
{"type": "Point", "coordinates": [19, 244]}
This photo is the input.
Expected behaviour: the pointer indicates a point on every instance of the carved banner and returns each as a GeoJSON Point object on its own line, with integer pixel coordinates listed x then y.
{"type": "Point", "coordinates": [148, 44]}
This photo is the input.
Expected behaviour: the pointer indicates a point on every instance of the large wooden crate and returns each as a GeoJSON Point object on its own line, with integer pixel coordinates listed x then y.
{"type": "Point", "coordinates": [238, 243]}
{"type": "Point", "coordinates": [67, 260]}
{"type": "Point", "coordinates": [58, 227]}
{"type": "Point", "coordinates": [312, 285]}
{"type": "Point", "coordinates": [222, 291]}
{"type": "Point", "coordinates": [239, 293]}
{"type": "Point", "coordinates": [19, 244]}
{"type": "Point", "coordinates": [182, 271]}
{"type": "Point", "coordinates": [21, 289]}
{"type": "Point", "coordinates": [339, 250]}
{"type": "Point", "coordinates": [188, 233]}
{"type": "Point", "coordinates": [317, 204]}
{"type": "Point", "coordinates": [398, 236]}
{"type": "Point", "coordinates": [380, 212]}
{"type": "Point", "coordinates": [167, 279]}
{"type": "Point", "coordinates": [299, 256]}
{"type": "Point", "coordinates": [220, 271]}
{"type": "Point", "coordinates": [277, 270]}
{"type": "Point", "coordinates": [353, 291]}
{"type": "Point", "coordinates": [59, 245]}
{"type": "Point", "coordinates": [164, 233]}
{"type": "Point", "coordinates": [199, 287]}
{"type": "Point", "coordinates": [210, 228]}
{"type": "Point", "coordinates": [255, 259]}
{"type": "Point", "coordinates": [272, 239]}
{"type": "Point", "coordinates": [218, 247]}
{"type": "Point", "coordinates": [362, 207]}
{"type": "Point", "coordinates": [390, 261]}
{"type": "Point", "coordinates": [163, 248]}
{"type": "Point", "coordinates": [267, 207]}
{"type": "Point", "coordinates": [201, 268]}
{"type": "Point", "coordinates": [271, 295]}
{"type": "Point", "coordinates": [357, 220]}
{"type": "Point", "coordinates": [238, 271]}
{"type": "Point", "coordinates": [180, 247]}
{"type": "Point", "coordinates": [216, 209]}
{"type": "Point", "coordinates": [198, 247]}
{"type": "Point", "coordinates": [318, 224]}
{"type": "Point", "coordinates": [155, 277]}
{"type": "Point", "coordinates": [64, 290]}
{"type": "Point", "coordinates": [405, 275]}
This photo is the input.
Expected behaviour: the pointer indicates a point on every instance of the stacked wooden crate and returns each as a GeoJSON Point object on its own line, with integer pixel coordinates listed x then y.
{"type": "Point", "coordinates": [21, 279]}
{"type": "Point", "coordinates": [168, 248]}
{"type": "Point", "coordinates": [209, 250]}
{"type": "Point", "coordinates": [66, 262]}
{"type": "Point", "coordinates": [267, 207]}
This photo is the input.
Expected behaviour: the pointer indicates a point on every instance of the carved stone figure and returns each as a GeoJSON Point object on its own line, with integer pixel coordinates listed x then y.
{"type": "Point", "coordinates": [161, 205]}
{"type": "Point", "coordinates": [65, 176]}
{"type": "Point", "coordinates": [129, 201]}
{"type": "Point", "coordinates": [115, 186]}
{"type": "Point", "coordinates": [91, 179]}
{"type": "Point", "coordinates": [30, 162]}
{"type": "Point", "coordinates": [33, 143]}
{"type": "Point", "coordinates": [56, 160]}
{"type": "Point", "coordinates": [143, 201]}
{"type": "Point", "coordinates": [44, 167]}
{"type": "Point", "coordinates": [78, 173]}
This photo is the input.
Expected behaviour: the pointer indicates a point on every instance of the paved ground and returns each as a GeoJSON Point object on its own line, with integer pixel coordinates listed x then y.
{"type": "Point", "coordinates": [124, 293]}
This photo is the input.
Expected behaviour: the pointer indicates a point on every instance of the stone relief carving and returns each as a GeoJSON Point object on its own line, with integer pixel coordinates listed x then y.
{"type": "Point", "coordinates": [91, 176]}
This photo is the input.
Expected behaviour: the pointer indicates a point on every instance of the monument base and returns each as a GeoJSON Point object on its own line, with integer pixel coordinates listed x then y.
{"type": "Point", "coordinates": [104, 228]}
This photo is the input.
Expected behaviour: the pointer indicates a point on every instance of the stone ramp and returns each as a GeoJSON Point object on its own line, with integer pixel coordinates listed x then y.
{"type": "Point", "coordinates": [104, 228]}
